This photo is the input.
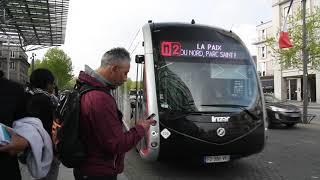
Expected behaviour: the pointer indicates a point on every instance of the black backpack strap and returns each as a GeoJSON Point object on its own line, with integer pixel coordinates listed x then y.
{"type": "Point", "coordinates": [86, 88]}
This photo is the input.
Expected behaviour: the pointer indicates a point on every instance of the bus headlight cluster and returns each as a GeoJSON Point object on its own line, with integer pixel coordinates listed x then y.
{"type": "Point", "coordinates": [154, 144]}
{"type": "Point", "coordinates": [154, 133]}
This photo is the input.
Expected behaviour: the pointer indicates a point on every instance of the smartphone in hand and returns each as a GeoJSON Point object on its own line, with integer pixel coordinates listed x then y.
{"type": "Point", "coordinates": [5, 136]}
{"type": "Point", "coordinates": [151, 116]}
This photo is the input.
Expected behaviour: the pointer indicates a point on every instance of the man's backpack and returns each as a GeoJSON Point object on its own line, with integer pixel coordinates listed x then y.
{"type": "Point", "coordinates": [70, 149]}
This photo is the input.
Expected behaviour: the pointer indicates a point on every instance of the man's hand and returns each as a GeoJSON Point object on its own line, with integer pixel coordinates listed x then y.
{"type": "Point", "coordinates": [146, 123]}
{"type": "Point", "coordinates": [17, 144]}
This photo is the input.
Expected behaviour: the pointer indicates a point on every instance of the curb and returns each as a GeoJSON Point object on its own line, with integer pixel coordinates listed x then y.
{"type": "Point", "coordinates": [310, 107]}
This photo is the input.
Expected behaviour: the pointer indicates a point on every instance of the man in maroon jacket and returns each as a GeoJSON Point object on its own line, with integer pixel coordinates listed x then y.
{"type": "Point", "coordinates": [101, 125]}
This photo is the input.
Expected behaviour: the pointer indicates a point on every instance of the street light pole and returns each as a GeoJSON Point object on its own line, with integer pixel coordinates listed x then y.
{"type": "Point", "coordinates": [305, 63]}
{"type": "Point", "coordinates": [32, 61]}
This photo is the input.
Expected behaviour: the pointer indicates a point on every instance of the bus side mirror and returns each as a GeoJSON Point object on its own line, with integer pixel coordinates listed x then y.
{"type": "Point", "coordinates": [139, 59]}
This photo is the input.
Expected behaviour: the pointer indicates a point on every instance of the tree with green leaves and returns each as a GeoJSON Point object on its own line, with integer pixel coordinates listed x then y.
{"type": "Point", "coordinates": [70, 85]}
{"type": "Point", "coordinates": [37, 64]}
{"type": "Point", "coordinates": [129, 84]}
{"type": "Point", "coordinates": [60, 64]}
{"type": "Point", "coordinates": [292, 57]}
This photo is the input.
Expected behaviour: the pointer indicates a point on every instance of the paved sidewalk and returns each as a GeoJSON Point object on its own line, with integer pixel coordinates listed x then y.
{"type": "Point", "coordinates": [312, 105]}
{"type": "Point", "coordinates": [64, 174]}
{"type": "Point", "coordinates": [317, 122]}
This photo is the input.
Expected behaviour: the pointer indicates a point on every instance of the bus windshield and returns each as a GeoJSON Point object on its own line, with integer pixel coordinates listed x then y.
{"type": "Point", "coordinates": [198, 85]}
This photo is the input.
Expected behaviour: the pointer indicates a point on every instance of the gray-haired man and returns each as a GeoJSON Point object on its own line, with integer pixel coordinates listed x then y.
{"type": "Point", "coordinates": [101, 126]}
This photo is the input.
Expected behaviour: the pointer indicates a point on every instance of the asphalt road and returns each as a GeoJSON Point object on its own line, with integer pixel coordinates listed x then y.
{"type": "Point", "coordinates": [290, 154]}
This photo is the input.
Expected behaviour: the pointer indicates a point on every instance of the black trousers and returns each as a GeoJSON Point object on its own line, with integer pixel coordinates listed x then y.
{"type": "Point", "coordinates": [77, 176]}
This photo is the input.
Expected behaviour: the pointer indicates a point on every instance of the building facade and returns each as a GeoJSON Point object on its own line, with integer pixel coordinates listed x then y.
{"type": "Point", "coordinates": [287, 83]}
{"type": "Point", "coordinates": [264, 59]}
{"type": "Point", "coordinates": [18, 63]}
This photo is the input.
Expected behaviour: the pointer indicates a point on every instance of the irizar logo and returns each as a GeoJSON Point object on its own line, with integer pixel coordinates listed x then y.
{"type": "Point", "coordinates": [219, 119]}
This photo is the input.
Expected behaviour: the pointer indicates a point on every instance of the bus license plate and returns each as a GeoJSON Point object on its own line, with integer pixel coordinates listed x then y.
{"type": "Point", "coordinates": [215, 159]}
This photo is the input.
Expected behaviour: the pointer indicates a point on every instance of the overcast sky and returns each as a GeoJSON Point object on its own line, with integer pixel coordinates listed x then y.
{"type": "Point", "coordinates": [95, 26]}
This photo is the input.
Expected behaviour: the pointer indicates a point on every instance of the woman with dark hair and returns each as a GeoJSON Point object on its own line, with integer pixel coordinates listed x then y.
{"type": "Point", "coordinates": [42, 103]}
{"type": "Point", "coordinates": [41, 100]}
{"type": "Point", "coordinates": [42, 79]}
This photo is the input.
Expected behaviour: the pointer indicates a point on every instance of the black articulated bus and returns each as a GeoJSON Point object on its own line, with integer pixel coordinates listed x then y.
{"type": "Point", "coordinates": [202, 84]}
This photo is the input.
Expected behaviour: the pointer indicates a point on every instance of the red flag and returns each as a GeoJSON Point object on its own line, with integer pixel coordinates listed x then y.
{"type": "Point", "coordinates": [284, 39]}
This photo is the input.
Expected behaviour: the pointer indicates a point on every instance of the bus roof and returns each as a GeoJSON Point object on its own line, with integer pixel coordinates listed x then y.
{"type": "Point", "coordinates": [165, 25]}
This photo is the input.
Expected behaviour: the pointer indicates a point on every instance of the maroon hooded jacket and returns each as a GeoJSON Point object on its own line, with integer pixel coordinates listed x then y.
{"type": "Point", "coordinates": [101, 129]}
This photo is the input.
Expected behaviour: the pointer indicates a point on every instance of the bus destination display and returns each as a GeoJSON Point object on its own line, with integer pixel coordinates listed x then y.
{"type": "Point", "coordinates": [200, 49]}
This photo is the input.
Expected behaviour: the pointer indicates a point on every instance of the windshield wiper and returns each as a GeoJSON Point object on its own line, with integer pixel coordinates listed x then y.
{"type": "Point", "coordinates": [165, 65]}
{"type": "Point", "coordinates": [242, 107]}
{"type": "Point", "coordinates": [224, 105]}
{"type": "Point", "coordinates": [253, 116]}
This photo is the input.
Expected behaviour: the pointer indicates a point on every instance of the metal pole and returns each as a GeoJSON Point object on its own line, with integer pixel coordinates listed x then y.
{"type": "Point", "coordinates": [8, 57]}
{"type": "Point", "coordinates": [137, 102]}
{"type": "Point", "coordinates": [305, 63]}
{"type": "Point", "coordinates": [32, 61]}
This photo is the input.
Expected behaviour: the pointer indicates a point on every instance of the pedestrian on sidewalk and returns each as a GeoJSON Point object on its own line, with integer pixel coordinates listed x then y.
{"type": "Point", "coordinates": [12, 105]}
{"type": "Point", "coordinates": [101, 127]}
{"type": "Point", "coordinates": [42, 103]}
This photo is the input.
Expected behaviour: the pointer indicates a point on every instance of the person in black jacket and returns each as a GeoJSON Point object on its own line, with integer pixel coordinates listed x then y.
{"type": "Point", "coordinates": [40, 100]}
{"type": "Point", "coordinates": [41, 103]}
{"type": "Point", "coordinates": [12, 105]}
